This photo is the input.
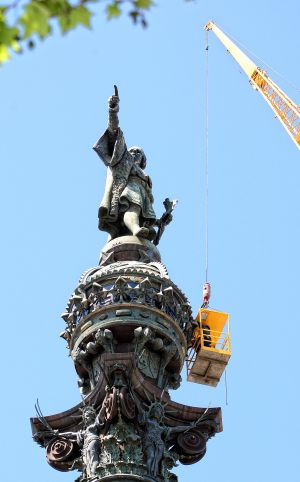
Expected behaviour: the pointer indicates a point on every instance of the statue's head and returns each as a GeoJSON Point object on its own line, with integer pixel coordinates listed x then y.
{"type": "Point", "coordinates": [118, 375]}
{"type": "Point", "coordinates": [89, 414]}
{"type": "Point", "coordinates": [139, 156]}
{"type": "Point", "coordinates": [156, 411]}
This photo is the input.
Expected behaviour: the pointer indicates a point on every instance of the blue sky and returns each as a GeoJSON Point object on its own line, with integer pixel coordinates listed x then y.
{"type": "Point", "coordinates": [53, 108]}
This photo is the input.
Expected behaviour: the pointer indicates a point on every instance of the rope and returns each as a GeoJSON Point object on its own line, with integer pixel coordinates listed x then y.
{"type": "Point", "coordinates": [226, 388]}
{"type": "Point", "coordinates": [206, 156]}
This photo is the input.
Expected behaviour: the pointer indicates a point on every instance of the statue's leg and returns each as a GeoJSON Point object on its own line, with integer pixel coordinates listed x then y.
{"type": "Point", "coordinates": [93, 452]}
{"type": "Point", "coordinates": [132, 221]}
{"type": "Point", "coordinates": [158, 458]}
{"type": "Point", "coordinates": [150, 460]}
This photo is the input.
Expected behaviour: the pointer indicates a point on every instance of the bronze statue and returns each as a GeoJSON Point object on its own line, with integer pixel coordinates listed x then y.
{"type": "Point", "coordinates": [156, 433]}
{"type": "Point", "coordinates": [126, 207]}
{"type": "Point", "coordinates": [88, 439]}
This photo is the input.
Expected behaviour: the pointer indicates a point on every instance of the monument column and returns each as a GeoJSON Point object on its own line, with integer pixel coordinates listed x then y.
{"type": "Point", "coordinates": [128, 327]}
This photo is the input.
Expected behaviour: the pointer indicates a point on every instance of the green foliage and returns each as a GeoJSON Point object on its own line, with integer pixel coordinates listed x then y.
{"type": "Point", "coordinates": [113, 10]}
{"type": "Point", "coordinates": [8, 37]}
{"type": "Point", "coordinates": [145, 4]}
{"type": "Point", "coordinates": [73, 17]}
{"type": "Point", "coordinates": [37, 18]}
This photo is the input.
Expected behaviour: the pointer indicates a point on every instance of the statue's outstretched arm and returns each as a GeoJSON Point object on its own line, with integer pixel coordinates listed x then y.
{"type": "Point", "coordinates": [113, 109]}
{"type": "Point", "coordinates": [111, 145]}
{"type": "Point", "coordinates": [181, 428]}
{"type": "Point", "coordinates": [69, 435]}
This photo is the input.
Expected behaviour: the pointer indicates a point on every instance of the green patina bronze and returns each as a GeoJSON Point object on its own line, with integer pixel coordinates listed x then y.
{"type": "Point", "coordinates": [127, 328]}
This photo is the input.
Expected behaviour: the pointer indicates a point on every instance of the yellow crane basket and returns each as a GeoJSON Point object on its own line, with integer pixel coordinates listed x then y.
{"type": "Point", "coordinates": [210, 351]}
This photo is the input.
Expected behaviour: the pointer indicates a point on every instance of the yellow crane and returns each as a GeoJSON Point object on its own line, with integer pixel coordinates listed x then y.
{"type": "Point", "coordinates": [209, 350]}
{"type": "Point", "coordinates": [284, 108]}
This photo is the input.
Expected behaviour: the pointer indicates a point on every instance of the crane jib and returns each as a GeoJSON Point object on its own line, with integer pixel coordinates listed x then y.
{"type": "Point", "coordinates": [286, 111]}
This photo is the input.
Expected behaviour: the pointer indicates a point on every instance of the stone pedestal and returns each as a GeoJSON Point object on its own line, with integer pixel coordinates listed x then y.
{"type": "Point", "coordinates": [128, 327]}
{"type": "Point", "coordinates": [129, 248]}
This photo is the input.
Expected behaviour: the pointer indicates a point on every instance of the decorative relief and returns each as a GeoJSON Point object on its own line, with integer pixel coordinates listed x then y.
{"type": "Point", "coordinates": [62, 453]}
{"type": "Point", "coordinates": [155, 269]}
{"type": "Point", "coordinates": [85, 358]}
{"type": "Point", "coordinates": [163, 445]}
{"type": "Point", "coordinates": [153, 355]}
{"type": "Point", "coordinates": [124, 289]}
{"type": "Point", "coordinates": [149, 363]}
{"type": "Point", "coordinates": [126, 434]}
{"type": "Point", "coordinates": [118, 400]}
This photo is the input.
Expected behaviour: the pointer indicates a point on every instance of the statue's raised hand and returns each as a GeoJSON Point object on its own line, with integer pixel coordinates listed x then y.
{"type": "Point", "coordinates": [113, 101]}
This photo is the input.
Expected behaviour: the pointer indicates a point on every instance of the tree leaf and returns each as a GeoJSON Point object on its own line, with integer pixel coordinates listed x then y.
{"type": "Point", "coordinates": [4, 53]}
{"type": "Point", "coordinates": [15, 46]}
{"type": "Point", "coordinates": [76, 16]}
{"type": "Point", "coordinates": [64, 23]}
{"type": "Point", "coordinates": [35, 19]}
{"type": "Point", "coordinates": [55, 7]}
{"type": "Point", "coordinates": [143, 4]}
{"type": "Point", "coordinates": [39, 15]}
{"type": "Point", "coordinates": [2, 14]}
{"type": "Point", "coordinates": [7, 34]}
{"type": "Point", "coordinates": [8, 38]}
{"type": "Point", "coordinates": [80, 16]}
{"type": "Point", "coordinates": [113, 10]}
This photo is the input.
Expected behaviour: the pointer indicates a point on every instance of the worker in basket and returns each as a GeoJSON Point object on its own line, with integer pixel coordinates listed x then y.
{"type": "Point", "coordinates": [206, 335]}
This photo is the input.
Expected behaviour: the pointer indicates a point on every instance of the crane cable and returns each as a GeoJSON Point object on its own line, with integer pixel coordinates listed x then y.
{"type": "Point", "coordinates": [206, 157]}
{"type": "Point", "coordinates": [206, 179]}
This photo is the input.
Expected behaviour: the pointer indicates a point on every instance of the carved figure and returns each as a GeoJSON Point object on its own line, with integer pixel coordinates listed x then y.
{"type": "Point", "coordinates": [88, 439]}
{"type": "Point", "coordinates": [141, 337]}
{"type": "Point", "coordinates": [103, 339]}
{"type": "Point", "coordinates": [156, 435]}
{"type": "Point", "coordinates": [168, 351]}
{"type": "Point", "coordinates": [117, 399]}
{"type": "Point", "coordinates": [153, 443]}
{"type": "Point", "coordinates": [127, 203]}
